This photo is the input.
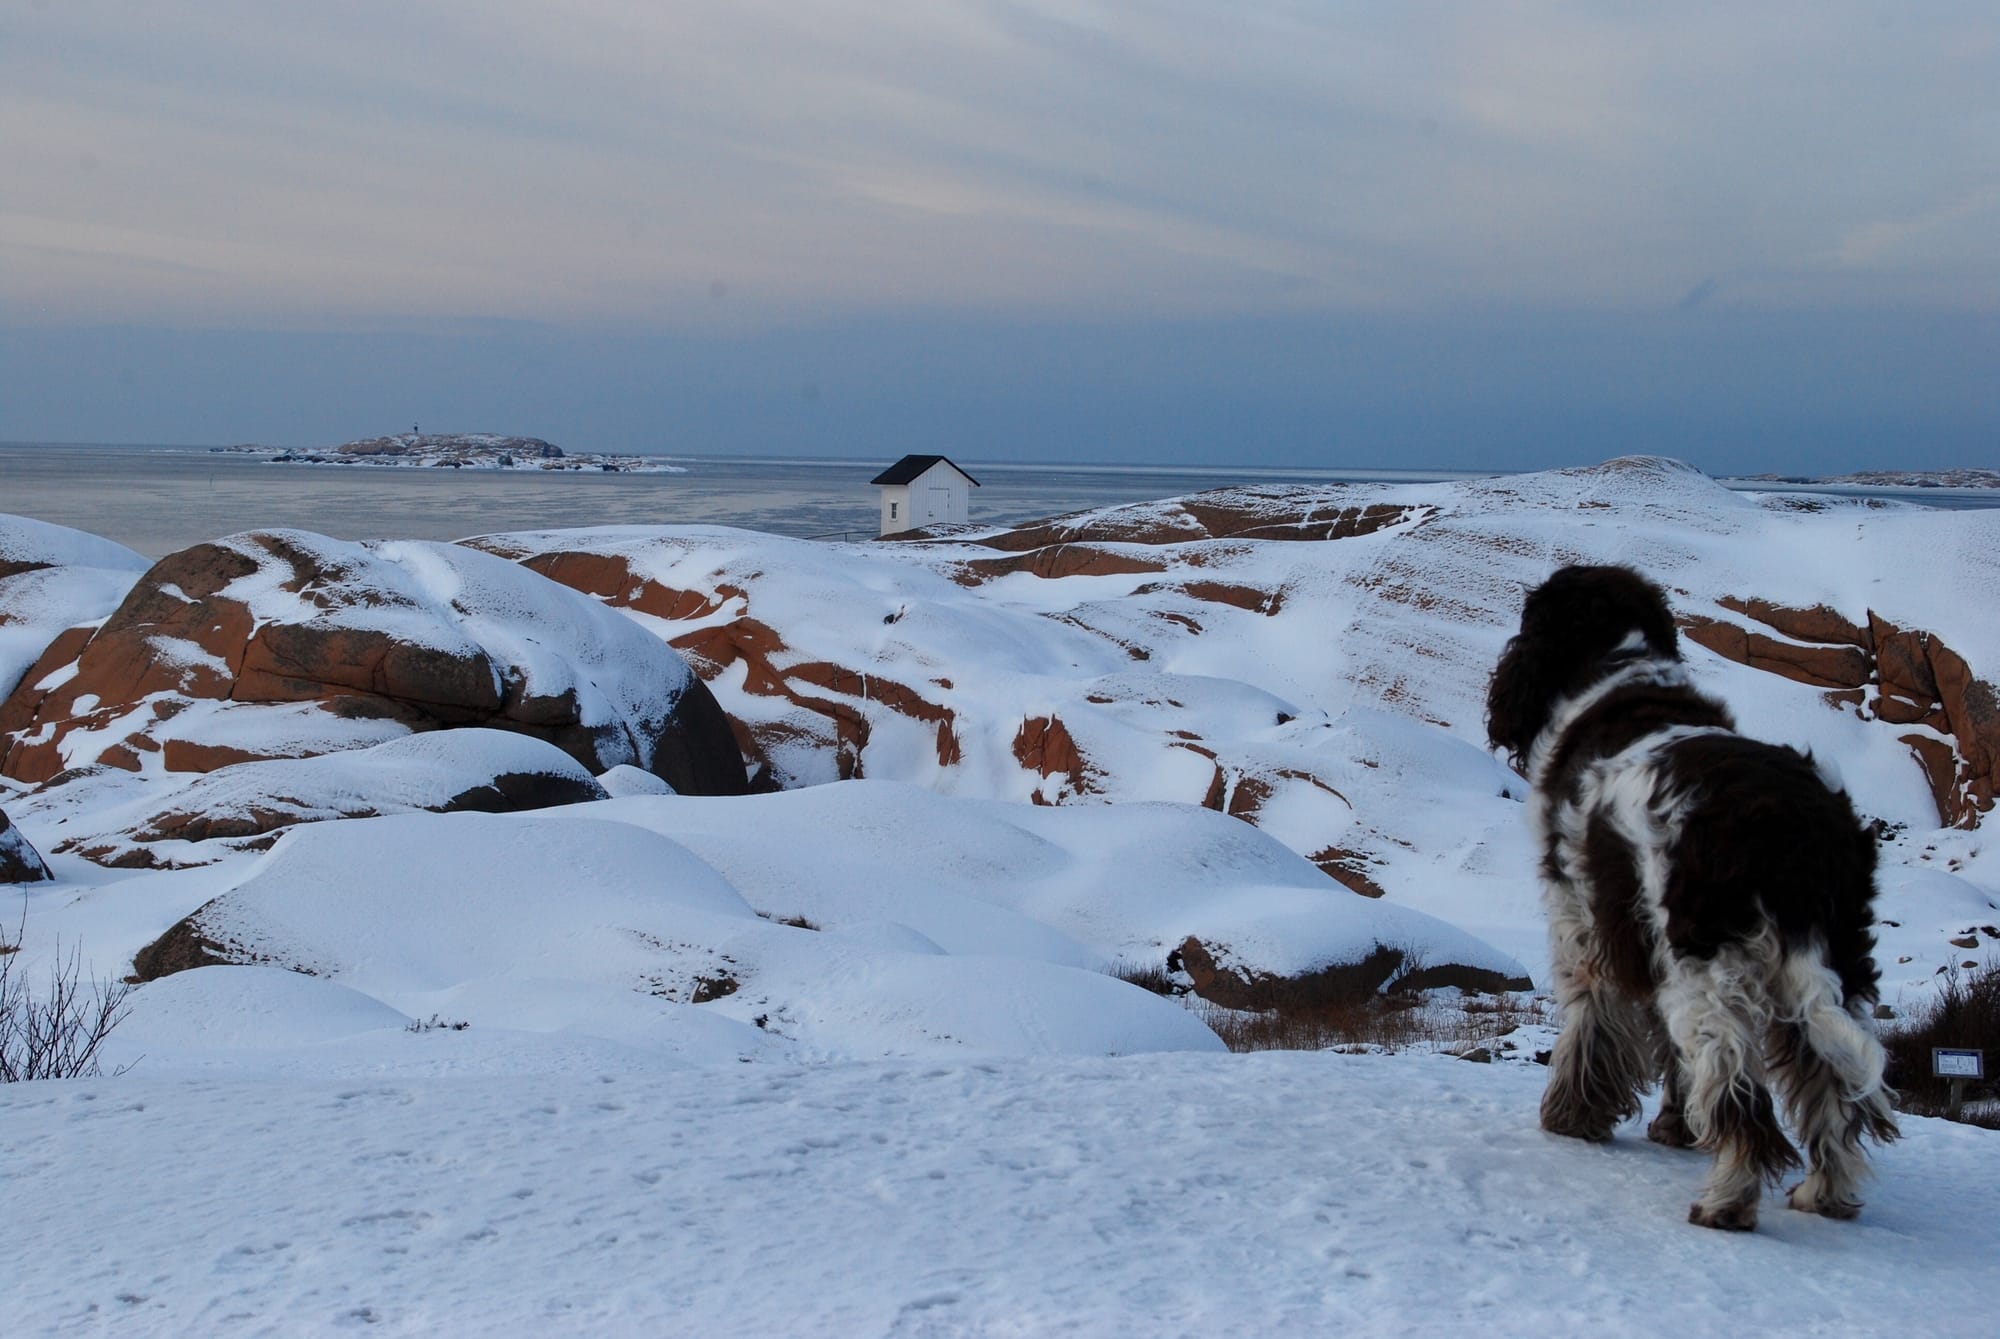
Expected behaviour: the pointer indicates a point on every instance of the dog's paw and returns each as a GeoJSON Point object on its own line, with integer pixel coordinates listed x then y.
{"type": "Point", "coordinates": [1668, 1128]}
{"type": "Point", "coordinates": [1573, 1126]}
{"type": "Point", "coordinates": [1808, 1201]}
{"type": "Point", "coordinates": [1727, 1218]}
{"type": "Point", "coordinates": [1564, 1114]}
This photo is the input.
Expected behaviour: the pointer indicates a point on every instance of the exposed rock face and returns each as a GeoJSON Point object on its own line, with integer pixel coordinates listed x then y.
{"type": "Point", "coordinates": [1045, 747]}
{"type": "Point", "coordinates": [1893, 675]}
{"type": "Point", "coordinates": [1275, 512]}
{"type": "Point", "coordinates": [804, 717]}
{"type": "Point", "coordinates": [1234, 986]}
{"type": "Point", "coordinates": [288, 644]}
{"type": "Point", "coordinates": [244, 807]}
{"type": "Point", "coordinates": [833, 706]}
{"type": "Point", "coordinates": [815, 707]}
{"type": "Point", "coordinates": [1114, 541]}
{"type": "Point", "coordinates": [19, 861]}
{"type": "Point", "coordinates": [182, 948]}
{"type": "Point", "coordinates": [53, 578]}
{"type": "Point", "coordinates": [1351, 869]}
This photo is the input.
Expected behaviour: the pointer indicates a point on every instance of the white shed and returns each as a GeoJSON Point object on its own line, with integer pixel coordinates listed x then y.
{"type": "Point", "coordinates": [924, 490]}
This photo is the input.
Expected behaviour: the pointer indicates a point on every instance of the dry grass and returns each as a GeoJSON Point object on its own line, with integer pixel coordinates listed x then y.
{"type": "Point", "coordinates": [1369, 1021]}
{"type": "Point", "coordinates": [1964, 1015]}
{"type": "Point", "coordinates": [1389, 1023]}
{"type": "Point", "coordinates": [796, 922]}
{"type": "Point", "coordinates": [1433, 1021]}
{"type": "Point", "coordinates": [1149, 977]}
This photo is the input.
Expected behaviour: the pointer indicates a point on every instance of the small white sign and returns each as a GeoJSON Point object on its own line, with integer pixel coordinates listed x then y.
{"type": "Point", "coordinates": [1958, 1064]}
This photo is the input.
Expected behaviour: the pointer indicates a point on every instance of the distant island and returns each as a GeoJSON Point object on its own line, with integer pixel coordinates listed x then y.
{"type": "Point", "coordinates": [458, 451]}
{"type": "Point", "coordinates": [1959, 478]}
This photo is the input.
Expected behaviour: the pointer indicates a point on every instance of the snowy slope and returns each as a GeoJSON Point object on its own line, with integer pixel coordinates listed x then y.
{"type": "Point", "coordinates": [1332, 691]}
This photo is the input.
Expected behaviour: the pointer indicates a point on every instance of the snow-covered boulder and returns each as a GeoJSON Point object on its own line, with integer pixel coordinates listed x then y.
{"type": "Point", "coordinates": [854, 919]}
{"type": "Point", "coordinates": [1127, 885]}
{"type": "Point", "coordinates": [52, 580]}
{"type": "Point", "coordinates": [284, 643]}
{"type": "Point", "coordinates": [573, 921]}
{"type": "Point", "coordinates": [245, 806]}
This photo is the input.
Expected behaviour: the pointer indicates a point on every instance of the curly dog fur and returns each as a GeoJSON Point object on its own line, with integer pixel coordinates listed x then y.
{"type": "Point", "coordinates": [1708, 899]}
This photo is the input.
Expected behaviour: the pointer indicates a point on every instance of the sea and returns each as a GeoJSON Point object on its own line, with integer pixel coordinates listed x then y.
{"type": "Point", "coordinates": [157, 499]}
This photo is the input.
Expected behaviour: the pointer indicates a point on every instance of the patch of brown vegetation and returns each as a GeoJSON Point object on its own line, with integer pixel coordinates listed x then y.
{"type": "Point", "coordinates": [1964, 1015]}
{"type": "Point", "coordinates": [1336, 985]}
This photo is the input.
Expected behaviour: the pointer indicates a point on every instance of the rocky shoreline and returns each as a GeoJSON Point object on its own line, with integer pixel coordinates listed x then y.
{"type": "Point", "coordinates": [1958, 478]}
{"type": "Point", "coordinates": [458, 451]}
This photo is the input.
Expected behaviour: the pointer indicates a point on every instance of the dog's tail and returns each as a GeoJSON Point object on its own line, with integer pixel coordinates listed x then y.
{"type": "Point", "coordinates": [1832, 1062]}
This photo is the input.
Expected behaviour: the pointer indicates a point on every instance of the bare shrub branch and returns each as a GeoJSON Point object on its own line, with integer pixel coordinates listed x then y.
{"type": "Point", "coordinates": [1965, 1013]}
{"type": "Point", "coordinates": [56, 1033]}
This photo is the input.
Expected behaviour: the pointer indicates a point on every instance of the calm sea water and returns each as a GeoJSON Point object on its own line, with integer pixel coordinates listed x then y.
{"type": "Point", "coordinates": [159, 499]}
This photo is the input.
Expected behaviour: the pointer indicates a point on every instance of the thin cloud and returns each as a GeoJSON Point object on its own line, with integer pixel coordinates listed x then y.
{"type": "Point", "coordinates": [608, 160]}
{"type": "Point", "coordinates": [1699, 294]}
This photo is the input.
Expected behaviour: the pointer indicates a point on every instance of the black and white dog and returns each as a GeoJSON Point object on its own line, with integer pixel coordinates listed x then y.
{"type": "Point", "coordinates": [1708, 901]}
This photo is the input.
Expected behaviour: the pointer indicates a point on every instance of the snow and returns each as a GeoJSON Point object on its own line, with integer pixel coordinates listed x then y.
{"type": "Point", "coordinates": [52, 578]}
{"type": "Point", "coordinates": [444, 1188]}
{"type": "Point", "coordinates": [1376, 647]}
{"type": "Point", "coordinates": [25, 541]}
{"type": "Point", "coordinates": [937, 926]}
{"type": "Point", "coordinates": [409, 772]}
{"type": "Point", "coordinates": [848, 1058]}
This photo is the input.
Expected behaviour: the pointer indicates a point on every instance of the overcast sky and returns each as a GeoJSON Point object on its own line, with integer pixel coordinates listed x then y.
{"type": "Point", "coordinates": [1457, 235]}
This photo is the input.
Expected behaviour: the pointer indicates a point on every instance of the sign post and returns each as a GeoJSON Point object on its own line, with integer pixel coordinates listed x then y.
{"type": "Point", "coordinates": [1958, 1066]}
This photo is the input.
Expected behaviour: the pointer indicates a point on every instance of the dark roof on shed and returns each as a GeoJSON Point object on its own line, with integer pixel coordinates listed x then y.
{"type": "Point", "coordinates": [909, 467]}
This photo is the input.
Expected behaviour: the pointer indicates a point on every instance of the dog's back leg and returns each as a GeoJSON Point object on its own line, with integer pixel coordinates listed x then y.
{"type": "Point", "coordinates": [1719, 1011]}
{"type": "Point", "coordinates": [1830, 1065]}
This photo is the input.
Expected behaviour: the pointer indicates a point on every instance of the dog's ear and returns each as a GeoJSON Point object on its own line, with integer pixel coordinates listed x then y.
{"type": "Point", "coordinates": [1628, 600]}
{"type": "Point", "coordinates": [1518, 698]}
{"type": "Point", "coordinates": [1659, 628]}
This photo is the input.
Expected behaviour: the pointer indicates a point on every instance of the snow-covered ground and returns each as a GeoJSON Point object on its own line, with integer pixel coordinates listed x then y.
{"type": "Point", "coordinates": [457, 1183]}
{"type": "Point", "coordinates": [850, 1059]}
